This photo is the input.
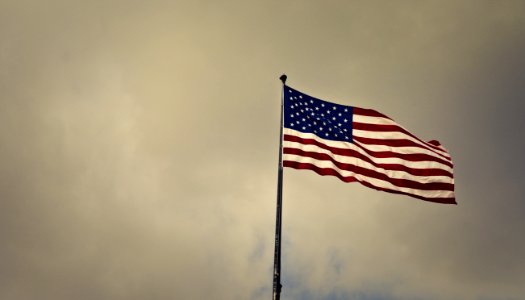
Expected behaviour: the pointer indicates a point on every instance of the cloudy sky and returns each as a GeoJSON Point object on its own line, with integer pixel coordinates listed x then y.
{"type": "Point", "coordinates": [139, 141]}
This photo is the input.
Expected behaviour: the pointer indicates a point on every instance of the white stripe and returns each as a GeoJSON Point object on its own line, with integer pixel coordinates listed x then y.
{"type": "Point", "coordinates": [384, 121]}
{"type": "Point", "coordinates": [396, 135]}
{"type": "Point", "coordinates": [372, 120]}
{"type": "Point", "coordinates": [364, 164]}
{"type": "Point", "coordinates": [375, 148]}
{"type": "Point", "coordinates": [374, 181]}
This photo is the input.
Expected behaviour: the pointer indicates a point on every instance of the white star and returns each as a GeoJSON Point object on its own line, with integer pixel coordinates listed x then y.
{"type": "Point", "coordinates": [327, 111]}
{"type": "Point", "coordinates": [335, 108]}
{"type": "Point", "coordinates": [345, 120]}
{"type": "Point", "coordinates": [321, 128]}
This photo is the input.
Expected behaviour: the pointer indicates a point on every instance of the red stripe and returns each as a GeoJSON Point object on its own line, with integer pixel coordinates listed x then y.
{"type": "Point", "coordinates": [368, 112]}
{"type": "Point", "coordinates": [393, 128]}
{"type": "Point", "coordinates": [378, 154]}
{"type": "Point", "coordinates": [389, 167]}
{"type": "Point", "coordinates": [394, 143]}
{"type": "Point", "coordinates": [405, 183]}
{"type": "Point", "coordinates": [332, 172]}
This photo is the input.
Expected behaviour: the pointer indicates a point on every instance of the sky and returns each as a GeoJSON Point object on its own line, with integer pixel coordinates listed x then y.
{"type": "Point", "coordinates": [139, 147]}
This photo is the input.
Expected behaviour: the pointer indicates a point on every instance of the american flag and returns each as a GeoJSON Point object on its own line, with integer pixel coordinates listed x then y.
{"type": "Point", "coordinates": [363, 145]}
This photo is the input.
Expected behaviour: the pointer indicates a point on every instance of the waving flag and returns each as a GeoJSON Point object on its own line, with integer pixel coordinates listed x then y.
{"type": "Point", "coordinates": [363, 145]}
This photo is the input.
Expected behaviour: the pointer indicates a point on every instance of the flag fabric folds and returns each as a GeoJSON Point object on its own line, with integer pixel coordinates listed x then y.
{"type": "Point", "coordinates": [363, 145]}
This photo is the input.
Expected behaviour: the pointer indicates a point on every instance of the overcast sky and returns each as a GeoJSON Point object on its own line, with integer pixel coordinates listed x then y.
{"type": "Point", "coordinates": [139, 142]}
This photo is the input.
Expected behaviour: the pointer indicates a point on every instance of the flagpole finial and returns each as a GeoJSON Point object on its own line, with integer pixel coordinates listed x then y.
{"type": "Point", "coordinates": [283, 78]}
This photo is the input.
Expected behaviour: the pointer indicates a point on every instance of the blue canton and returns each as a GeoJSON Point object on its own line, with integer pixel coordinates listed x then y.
{"type": "Point", "coordinates": [307, 114]}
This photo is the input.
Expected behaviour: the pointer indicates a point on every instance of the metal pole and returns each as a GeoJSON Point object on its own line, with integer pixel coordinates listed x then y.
{"type": "Point", "coordinates": [278, 219]}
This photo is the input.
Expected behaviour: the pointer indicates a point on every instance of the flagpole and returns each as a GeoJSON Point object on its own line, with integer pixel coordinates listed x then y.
{"type": "Point", "coordinates": [278, 218]}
